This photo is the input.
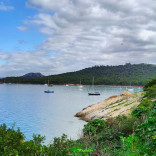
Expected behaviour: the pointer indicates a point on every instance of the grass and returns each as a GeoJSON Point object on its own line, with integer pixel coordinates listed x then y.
{"type": "Point", "coordinates": [115, 105]}
{"type": "Point", "coordinates": [116, 109]}
{"type": "Point", "coordinates": [129, 103]}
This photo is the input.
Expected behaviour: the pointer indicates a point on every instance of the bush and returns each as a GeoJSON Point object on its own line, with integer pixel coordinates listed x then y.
{"type": "Point", "coordinates": [125, 124]}
{"type": "Point", "coordinates": [94, 127]}
{"type": "Point", "coordinates": [142, 109]}
{"type": "Point", "coordinates": [61, 146]}
{"type": "Point", "coordinates": [147, 131]}
{"type": "Point", "coordinates": [151, 92]}
{"type": "Point", "coordinates": [12, 143]}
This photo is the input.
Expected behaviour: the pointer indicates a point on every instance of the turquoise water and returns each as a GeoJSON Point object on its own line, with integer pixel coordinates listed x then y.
{"type": "Point", "coordinates": [48, 114]}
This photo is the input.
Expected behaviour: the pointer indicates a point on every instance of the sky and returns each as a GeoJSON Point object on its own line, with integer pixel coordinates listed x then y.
{"type": "Point", "coordinates": [52, 37]}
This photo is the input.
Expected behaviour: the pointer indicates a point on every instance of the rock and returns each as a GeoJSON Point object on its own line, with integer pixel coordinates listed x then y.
{"type": "Point", "coordinates": [126, 93]}
{"type": "Point", "coordinates": [111, 107]}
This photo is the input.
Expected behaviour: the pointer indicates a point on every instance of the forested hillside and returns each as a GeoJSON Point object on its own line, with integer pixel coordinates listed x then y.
{"type": "Point", "coordinates": [134, 74]}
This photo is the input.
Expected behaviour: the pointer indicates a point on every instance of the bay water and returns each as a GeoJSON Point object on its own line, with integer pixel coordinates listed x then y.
{"type": "Point", "coordinates": [51, 115]}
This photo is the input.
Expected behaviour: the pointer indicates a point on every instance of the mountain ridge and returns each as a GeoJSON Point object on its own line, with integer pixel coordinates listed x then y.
{"type": "Point", "coordinates": [32, 75]}
{"type": "Point", "coordinates": [128, 74]}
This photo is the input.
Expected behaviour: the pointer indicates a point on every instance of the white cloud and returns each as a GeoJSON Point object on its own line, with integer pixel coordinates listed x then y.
{"type": "Point", "coordinates": [4, 7]}
{"type": "Point", "coordinates": [82, 33]}
{"type": "Point", "coordinates": [22, 28]}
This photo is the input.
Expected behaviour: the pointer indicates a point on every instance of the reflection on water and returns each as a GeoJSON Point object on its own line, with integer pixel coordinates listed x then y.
{"type": "Point", "coordinates": [48, 114]}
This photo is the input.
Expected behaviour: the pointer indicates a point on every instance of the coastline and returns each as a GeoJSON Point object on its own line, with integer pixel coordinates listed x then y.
{"type": "Point", "coordinates": [111, 107]}
{"type": "Point", "coordinates": [79, 85]}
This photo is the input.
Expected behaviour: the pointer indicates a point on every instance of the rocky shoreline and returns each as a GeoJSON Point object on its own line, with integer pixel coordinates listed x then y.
{"type": "Point", "coordinates": [111, 107]}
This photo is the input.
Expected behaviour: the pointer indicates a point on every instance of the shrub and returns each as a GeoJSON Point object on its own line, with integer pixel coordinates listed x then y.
{"type": "Point", "coordinates": [130, 146]}
{"type": "Point", "coordinates": [151, 92]}
{"type": "Point", "coordinates": [94, 127]}
{"type": "Point", "coordinates": [60, 146]}
{"type": "Point", "coordinates": [12, 143]}
{"type": "Point", "coordinates": [78, 151]}
{"type": "Point", "coordinates": [142, 109]}
{"type": "Point", "coordinates": [147, 132]}
{"type": "Point", "coordinates": [125, 124]}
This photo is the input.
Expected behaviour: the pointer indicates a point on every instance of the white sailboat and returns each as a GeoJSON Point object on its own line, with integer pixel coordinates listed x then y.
{"type": "Point", "coordinates": [80, 86]}
{"type": "Point", "coordinates": [49, 91]}
{"type": "Point", "coordinates": [49, 85]}
{"type": "Point", "coordinates": [130, 89]}
{"type": "Point", "coordinates": [94, 92]}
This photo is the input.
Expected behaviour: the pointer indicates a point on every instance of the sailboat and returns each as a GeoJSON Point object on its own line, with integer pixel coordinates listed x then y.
{"type": "Point", "coordinates": [80, 86]}
{"type": "Point", "coordinates": [49, 85]}
{"type": "Point", "coordinates": [130, 89]}
{"type": "Point", "coordinates": [49, 91]}
{"type": "Point", "coordinates": [95, 92]}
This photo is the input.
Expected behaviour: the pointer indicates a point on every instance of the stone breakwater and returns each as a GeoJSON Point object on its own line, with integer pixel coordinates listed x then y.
{"type": "Point", "coordinates": [111, 107]}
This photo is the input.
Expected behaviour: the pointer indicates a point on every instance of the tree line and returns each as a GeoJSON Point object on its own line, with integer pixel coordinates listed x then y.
{"type": "Point", "coordinates": [128, 74]}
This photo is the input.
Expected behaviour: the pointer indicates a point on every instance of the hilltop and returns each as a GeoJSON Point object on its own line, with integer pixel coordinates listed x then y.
{"type": "Point", "coordinates": [128, 74]}
{"type": "Point", "coordinates": [32, 75]}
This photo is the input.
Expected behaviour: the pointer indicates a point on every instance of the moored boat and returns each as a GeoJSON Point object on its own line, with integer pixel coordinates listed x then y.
{"type": "Point", "coordinates": [48, 91]}
{"type": "Point", "coordinates": [94, 92]}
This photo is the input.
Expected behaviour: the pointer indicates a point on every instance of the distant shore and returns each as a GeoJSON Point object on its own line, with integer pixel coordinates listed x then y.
{"type": "Point", "coordinates": [81, 85]}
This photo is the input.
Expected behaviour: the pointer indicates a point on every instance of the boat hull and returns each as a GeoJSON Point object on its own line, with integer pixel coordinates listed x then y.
{"type": "Point", "coordinates": [94, 94]}
{"type": "Point", "coordinates": [48, 91]}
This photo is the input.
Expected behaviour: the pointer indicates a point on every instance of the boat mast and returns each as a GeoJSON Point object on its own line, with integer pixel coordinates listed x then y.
{"type": "Point", "coordinates": [93, 81]}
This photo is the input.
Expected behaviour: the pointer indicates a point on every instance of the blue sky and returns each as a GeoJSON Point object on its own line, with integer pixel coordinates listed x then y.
{"type": "Point", "coordinates": [12, 39]}
{"type": "Point", "coordinates": [51, 36]}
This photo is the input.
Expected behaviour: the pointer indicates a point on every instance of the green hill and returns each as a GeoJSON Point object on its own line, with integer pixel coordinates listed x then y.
{"type": "Point", "coordinates": [134, 74]}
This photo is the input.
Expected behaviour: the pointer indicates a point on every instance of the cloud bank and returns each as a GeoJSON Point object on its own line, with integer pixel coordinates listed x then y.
{"type": "Point", "coordinates": [82, 33]}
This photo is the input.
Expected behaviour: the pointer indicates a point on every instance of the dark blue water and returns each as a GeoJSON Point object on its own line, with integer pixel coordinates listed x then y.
{"type": "Point", "coordinates": [48, 114]}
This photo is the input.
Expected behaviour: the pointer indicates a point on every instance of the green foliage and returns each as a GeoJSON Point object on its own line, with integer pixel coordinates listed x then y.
{"type": "Point", "coordinates": [78, 151]}
{"type": "Point", "coordinates": [94, 126]}
{"type": "Point", "coordinates": [147, 131]}
{"type": "Point", "coordinates": [142, 109]}
{"type": "Point", "coordinates": [38, 139]}
{"type": "Point", "coordinates": [61, 146]}
{"type": "Point", "coordinates": [150, 89]}
{"type": "Point", "coordinates": [150, 84]}
{"type": "Point", "coordinates": [9, 140]}
{"type": "Point", "coordinates": [151, 92]}
{"type": "Point", "coordinates": [12, 143]}
{"type": "Point", "coordinates": [130, 146]}
{"type": "Point", "coordinates": [124, 124]}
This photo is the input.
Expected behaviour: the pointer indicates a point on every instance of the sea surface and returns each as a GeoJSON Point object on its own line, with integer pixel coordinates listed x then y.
{"type": "Point", "coordinates": [50, 115]}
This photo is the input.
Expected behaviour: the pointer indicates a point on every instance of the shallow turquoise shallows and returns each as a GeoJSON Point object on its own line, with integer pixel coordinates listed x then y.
{"type": "Point", "coordinates": [48, 114]}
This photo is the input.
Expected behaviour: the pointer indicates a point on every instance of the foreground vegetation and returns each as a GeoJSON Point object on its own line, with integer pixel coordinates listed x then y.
{"type": "Point", "coordinates": [136, 74]}
{"type": "Point", "coordinates": [134, 135]}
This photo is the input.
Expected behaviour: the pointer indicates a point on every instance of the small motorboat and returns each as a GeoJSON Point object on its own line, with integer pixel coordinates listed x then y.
{"type": "Point", "coordinates": [48, 91]}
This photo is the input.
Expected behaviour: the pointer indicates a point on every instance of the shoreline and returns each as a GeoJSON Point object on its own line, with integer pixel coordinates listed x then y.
{"type": "Point", "coordinates": [102, 85]}
{"type": "Point", "coordinates": [111, 107]}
